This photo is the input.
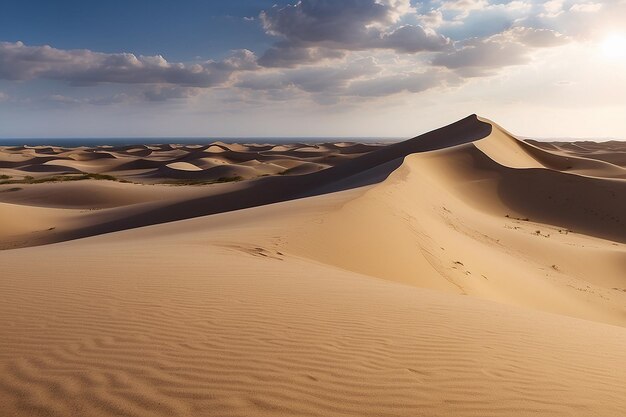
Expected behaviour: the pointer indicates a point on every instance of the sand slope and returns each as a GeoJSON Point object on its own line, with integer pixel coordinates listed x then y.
{"type": "Point", "coordinates": [432, 224]}
{"type": "Point", "coordinates": [201, 325]}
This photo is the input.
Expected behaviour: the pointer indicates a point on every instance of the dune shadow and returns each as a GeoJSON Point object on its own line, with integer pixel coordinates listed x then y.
{"type": "Point", "coordinates": [589, 205]}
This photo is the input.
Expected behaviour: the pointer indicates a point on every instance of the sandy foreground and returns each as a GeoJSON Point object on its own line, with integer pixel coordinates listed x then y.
{"type": "Point", "coordinates": [460, 273]}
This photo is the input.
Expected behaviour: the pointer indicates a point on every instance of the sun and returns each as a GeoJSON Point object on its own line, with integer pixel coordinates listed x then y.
{"type": "Point", "coordinates": [614, 46]}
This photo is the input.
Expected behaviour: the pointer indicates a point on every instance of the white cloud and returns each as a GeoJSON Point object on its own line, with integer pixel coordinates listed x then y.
{"type": "Point", "coordinates": [464, 6]}
{"type": "Point", "coordinates": [553, 8]}
{"type": "Point", "coordinates": [431, 19]}
{"type": "Point", "coordinates": [411, 82]}
{"type": "Point", "coordinates": [85, 67]}
{"type": "Point", "coordinates": [479, 57]}
{"type": "Point", "coordinates": [313, 78]}
{"type": "Point", "coordinates": [586, 7]}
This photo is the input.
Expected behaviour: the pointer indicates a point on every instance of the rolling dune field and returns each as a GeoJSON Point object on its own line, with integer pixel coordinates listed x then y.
{"type": "Point", "coordinates": [463, 272]}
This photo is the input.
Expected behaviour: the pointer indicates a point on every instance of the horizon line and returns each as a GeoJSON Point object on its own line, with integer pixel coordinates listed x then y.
{"type": "Point", "coordinates": [218, 138]}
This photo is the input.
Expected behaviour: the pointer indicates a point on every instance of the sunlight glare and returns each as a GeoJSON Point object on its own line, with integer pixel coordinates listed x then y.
{"type": "Point", "coordinates": [614, 46]}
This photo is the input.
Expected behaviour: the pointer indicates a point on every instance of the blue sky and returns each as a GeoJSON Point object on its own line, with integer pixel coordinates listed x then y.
{"type": "Point", "coordinates": [310, 68]}
{"type": "Point", "coordinates": [178, 30]}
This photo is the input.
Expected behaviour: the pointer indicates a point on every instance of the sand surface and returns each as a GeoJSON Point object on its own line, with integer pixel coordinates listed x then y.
{"type": "Point", "coordinates": [460, 273]}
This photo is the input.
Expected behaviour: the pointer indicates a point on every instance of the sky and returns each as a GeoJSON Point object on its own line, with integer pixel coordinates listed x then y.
{"type": "Point", "coordinates": [319, 68]}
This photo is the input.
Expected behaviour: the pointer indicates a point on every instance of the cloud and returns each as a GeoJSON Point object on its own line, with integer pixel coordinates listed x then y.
{"type": "Point", "coordinates": [65, 100]}
{"type": "Point", "coordinates": [414, 82]}
{"type": "Point", "coordinates": [136, 94]}
{"type": "Point", "coordinates": [431, 19]}
{"type": "Point", "coordinates": [586, 7]}
{"type": "Point", "coordinates": [464, 6]}
{"type": "Point", "coordinates": [286, 55]}
{"type": "Point", "coordinates": [331, 83]}
{"type": "Point", "coordinates": [85, 67]}
{"type": "Point", "coordinates": [311, 79]}
{"type": "Point", "coordinates": [536, 38]}
{"type": "Point", "coordinates": [479, 57]}
{"type": "Point", "coordinates": [311, 29]}
{"type": "Point", "coordinates": [580, 20]}
{"type": "Point", "coordinates": [552, 8]}
{"type": "Point", "coordinates": [165, 92]}
{"type": "Point", "coordinates": [481, 19]}
{"type": "Point", "coordinates": [412, 39]}
{"type": "Point", "coordinates": [155, 79]}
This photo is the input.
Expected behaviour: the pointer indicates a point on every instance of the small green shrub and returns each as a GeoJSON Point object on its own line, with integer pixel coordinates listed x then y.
{"type": "Point", "coordinates": [229, 179]}
{"type": "Point", "coordinates": [28, 179]}
{"type": "Point", "coordinates": [203, 182]}
{"type": "Point", "coordinates": [10, 190]}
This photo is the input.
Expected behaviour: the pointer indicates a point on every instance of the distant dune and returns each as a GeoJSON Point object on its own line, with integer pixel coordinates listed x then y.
{"type": "Point", "coordinates": [463, 272]}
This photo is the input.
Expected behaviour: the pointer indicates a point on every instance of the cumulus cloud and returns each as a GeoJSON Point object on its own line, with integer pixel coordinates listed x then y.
{"type": "Point", "coordinates": [480, 18]}
{"type": "Point", "coordinates": [310, 26]}
{"type": "Point", "coordinates": [477, 57]}
{"type": "Point", "coordinates": [552, 8]}
{"type": "Point", "coordinates": [66, 100]}
{"type": "Point", "coordinates": [412, 39]}
{"type": "Point", "coordinates": [287, 55]}
{"type": "Point", "coordinates": [136, 94]}
{"type": "Point", "coordinates": [464, 6]}
{"type": "Point", "coordinates": [580, 20]}
{"type": "Point", "coordinates": [586, 7]}
{"type": "Point", "coordinates": [362, 77]}
{"type": "Point", "coordinates": [412, 82]}
{"type": "Point", "coordinates": [431, 18]}
{"type": "Point", "coordinates": [312, 79]}
{"type": "Point", "coordinates": [536, 38]}
{"type": "Point", "coordinates": [167, 92]}
{"type": "Point", "coordinates": [85, 67]}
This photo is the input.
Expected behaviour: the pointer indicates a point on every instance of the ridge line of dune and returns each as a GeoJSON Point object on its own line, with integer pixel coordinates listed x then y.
{"type": "Point", "coordinates": [364, 170]}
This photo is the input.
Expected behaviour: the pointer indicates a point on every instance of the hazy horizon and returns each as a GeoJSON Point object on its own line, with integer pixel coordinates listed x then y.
{"type": "Point", "coordinates": [198, 140]}
{"type": "Point", "coordinates": [191, 140]}
{"type": "Point", "coordinates": [104, 141]}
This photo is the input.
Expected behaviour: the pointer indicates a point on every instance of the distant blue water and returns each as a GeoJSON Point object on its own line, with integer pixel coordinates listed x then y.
{"type": "Point", "coordinates": [74, 142]}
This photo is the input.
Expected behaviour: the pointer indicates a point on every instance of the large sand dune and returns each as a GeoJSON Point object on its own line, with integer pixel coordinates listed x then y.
{"type": "Point", "coordinates": [460, 273]}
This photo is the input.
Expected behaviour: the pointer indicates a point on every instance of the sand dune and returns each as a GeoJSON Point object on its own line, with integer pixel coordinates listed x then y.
{"type": "Point", "coordinates": [363, 170]}
{"type": "Point", "coordinates": [613, 152]}
{"type": "Point", "coordinates": [48, 168]}
{"type": "Point", "coordinates": [94, 195]}
{"type": "Point", "coordinates": [462, 272]}
{"type": "Point", "coordinates": [226, 171]}
{"type": "Point", "coordinates": [305, 168]}
{"type": "Point", "coordinates": [164, 163]}
{"type": "Point", "coordinates": [515, 153]}
{"type": "Point", "coordinates": [183, 166]}
{"type": "Point", "coordinates": [433, 224]}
